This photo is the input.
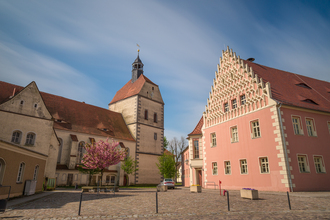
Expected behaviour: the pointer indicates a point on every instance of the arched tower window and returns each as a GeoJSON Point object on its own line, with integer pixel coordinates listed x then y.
{"type": "Point", "coordinates": [16, 137]}
{"type": "Point", "coordinates": [81, 151]}
{"type": "Point", "coordinates": [20, 174]}
{"type": "Point", "coordinates": [59, 150]}
{"type": "Point", "coordinates": [30, 139]}
{"type": "Point", "coordinates": [2, 169]}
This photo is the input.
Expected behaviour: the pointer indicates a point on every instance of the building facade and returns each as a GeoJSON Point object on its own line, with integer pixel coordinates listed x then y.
{"type": "Point", "coordinates": [43, 135]}
{"type": "Point", "coordinates": [28, 143]}
{"type": "Point", "coordinates": [141, 104]}
{"type": "Point", "coordinates": [265, 128]}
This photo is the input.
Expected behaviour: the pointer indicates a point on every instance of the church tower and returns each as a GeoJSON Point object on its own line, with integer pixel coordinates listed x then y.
{"type": "Point", "coordinates": [142, 107]}
{"type": "Point", "coordinates": [137, 68]}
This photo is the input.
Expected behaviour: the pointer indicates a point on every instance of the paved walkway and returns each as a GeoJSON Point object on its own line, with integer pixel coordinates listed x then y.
{"type": "Point", "coordinates": [173, 204]}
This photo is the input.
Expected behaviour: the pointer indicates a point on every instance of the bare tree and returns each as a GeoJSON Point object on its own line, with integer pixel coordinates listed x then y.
{"type": "Point", "coordinates": [176, 147]}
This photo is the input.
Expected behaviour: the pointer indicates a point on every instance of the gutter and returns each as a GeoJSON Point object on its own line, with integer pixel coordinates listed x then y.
{"type": "Point", "coordinates": [278, 105]}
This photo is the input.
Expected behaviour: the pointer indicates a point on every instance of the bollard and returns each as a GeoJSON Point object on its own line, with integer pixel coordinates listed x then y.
{"type": "Point", "coordinates": [80, 202]}
{"type": "Point", "coordinates": [156, 202]}
{"type": "Point", "coordinates": [227, 199]}
{"type": "Point", "coordinates": [288, 199]}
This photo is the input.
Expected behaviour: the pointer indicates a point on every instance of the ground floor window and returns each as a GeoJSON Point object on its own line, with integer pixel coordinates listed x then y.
{"type": "Point", "coordinates": [227, 167]}
{"type": "Point", "coordinates": [319, 166]}
{"type": "Point", "coordinates": [303, 165]}
{"type": "Point", "coordinates": [264, 166]}
{"type": "Point", "coordinates": [214, 168]}
{"type": "Point", "coordinates": [35, 174]}
{"type": "Point", "coordinates": [244, 168]}
{"type": "Point", "coordinates": [20, 172]}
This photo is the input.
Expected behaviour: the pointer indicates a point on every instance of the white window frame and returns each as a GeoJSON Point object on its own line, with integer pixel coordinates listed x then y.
{"type": "Point", "coordinates": [310, 127]}
{"type": "Point", "coordinates": [320, 163]}
{"type": "Point", "coordinates": [263, 162]}
{"type": "Point", "coordinates": [30, 141]}
{"type": "Point", "coordinates": [242, 164]}
{"type": "Point", "coordinates": [214, 168]}
{"type": "Point", "coordinates": [255, 129]}
{"type": "Point", "coordinates": [242, 99]}
{"type": "Point", "coordinates": [227, 166]}
{"type": "Point", "coordinates": [213, 139]}
{"type": "Point", "coordinates": [301, 162]}
{"type": "Point", "coordinates": [19, 138]}
{"type": "Point", "coordinates": [234, 134]}
{"type": "Point", "coordinates": [36, 172]}
{"type": "Point", "coordinates": [297, 130]}
{"type": "Point", "coordinates": [196, 151]}
{"type": "Point", "coordinates": [234, 103]}
{"type": "Point", "coordinates": [226, 107]}
{"type": "Point", "coordinates": [329, 126]}
{"type": "Point", "coordinates": [20, 173]}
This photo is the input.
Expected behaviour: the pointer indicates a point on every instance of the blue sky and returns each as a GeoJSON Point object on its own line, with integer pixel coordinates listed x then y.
{"type": "Point", "coordinates": [83, 50]}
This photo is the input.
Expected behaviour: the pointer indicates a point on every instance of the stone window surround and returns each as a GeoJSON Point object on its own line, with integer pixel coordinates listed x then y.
{"type": "Point", "coordinates": [234, 134]}
{"type": "Point", "coordinates": [242, 164]}
{"type": "Point", "coordinates": [214, 168]}
{"type": "Point", "coordinates": [311, 128]}
{"type": "Point", "coordinates": [266, 165]}
{"type": "Point", "coordinates": [213, 139]}
{"type": "Point", "coordinates": [322, 165]}
{"type": "Point", "coordinates": [304, 162]}
{"type": "Point", "coordinates": [227, 167]}
{"type": "Point", "coordinates": [30, 140]}
{"type": "Point", "coordinates": [255, 133]}
{"type": "Point", "coordinates": [299, 124]}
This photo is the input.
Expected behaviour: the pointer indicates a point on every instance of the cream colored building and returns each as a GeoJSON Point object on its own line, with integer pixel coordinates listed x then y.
{"type": "Point", "coordinates": [28, 143]}
{"type": "Point", "coordinates": [141, 104]}
{"type": "Point", "coordinates": [50, 131]}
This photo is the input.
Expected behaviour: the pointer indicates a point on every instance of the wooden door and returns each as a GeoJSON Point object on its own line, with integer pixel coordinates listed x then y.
{"type": "Point", "coordinates": [200, 177]}
{"type": "Point", "coordinates": [70, 179]}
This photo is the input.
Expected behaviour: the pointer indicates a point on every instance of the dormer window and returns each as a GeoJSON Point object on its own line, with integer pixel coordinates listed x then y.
{"type": "Point", "coordinates": [310, 101]}
{"type": "Point", "coordinates": [303, 85]}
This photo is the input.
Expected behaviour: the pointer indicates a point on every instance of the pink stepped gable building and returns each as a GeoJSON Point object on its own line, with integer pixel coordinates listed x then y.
{"type": "Point", "coordinates": [262, 128]}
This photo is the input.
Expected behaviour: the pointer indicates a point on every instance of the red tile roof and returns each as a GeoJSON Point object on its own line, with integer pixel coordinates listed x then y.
{"type": "Point", "coordinates": [77, 116]}
{"type": "Point", "coordinates": [285, 88]}
{"type": "Point", "coordinates": [198, 128]}
{"type": "Point", "coordinates": [131, 89]}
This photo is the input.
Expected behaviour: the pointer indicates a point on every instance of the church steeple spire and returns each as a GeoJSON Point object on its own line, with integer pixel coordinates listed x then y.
{"type": "Point", "coordinates": [137, 68]}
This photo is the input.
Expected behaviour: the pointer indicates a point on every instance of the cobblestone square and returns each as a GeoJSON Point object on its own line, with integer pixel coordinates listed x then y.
{"type": "Point", "coordinates": [173, 204]}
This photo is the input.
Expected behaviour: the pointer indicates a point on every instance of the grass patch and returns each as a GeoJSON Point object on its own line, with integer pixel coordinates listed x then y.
{"type": "Point", "coordinates": [178, 184]}
{"type": "Point", "coordinates": [140, 186]}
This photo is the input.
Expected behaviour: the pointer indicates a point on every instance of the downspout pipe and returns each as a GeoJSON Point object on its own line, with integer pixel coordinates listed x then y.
{"type": "Point", "coordinates": [284, 145]}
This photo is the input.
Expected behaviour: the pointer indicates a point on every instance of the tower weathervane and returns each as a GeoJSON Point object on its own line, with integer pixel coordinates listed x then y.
{"type": "Point", "coordinates": [139, 47]}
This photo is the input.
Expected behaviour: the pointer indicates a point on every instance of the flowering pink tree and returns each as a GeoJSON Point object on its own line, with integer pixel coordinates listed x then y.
{"type": "Point", "coordinates": [101, 155]}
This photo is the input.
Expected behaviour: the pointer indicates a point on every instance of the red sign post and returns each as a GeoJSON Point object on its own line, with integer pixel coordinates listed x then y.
{"type": "Point", "coordinates": [220, 186]}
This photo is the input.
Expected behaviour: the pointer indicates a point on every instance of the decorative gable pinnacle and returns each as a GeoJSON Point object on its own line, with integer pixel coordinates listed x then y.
{"type": "Point", "coordinates": [234, 78]}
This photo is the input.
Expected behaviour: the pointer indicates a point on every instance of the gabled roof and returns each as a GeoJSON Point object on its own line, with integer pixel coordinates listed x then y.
{"type": "Point", "coordinates": [77, 116]}
{"type": "Point", "coordinates": [292, 89]}
{"type": "Point", "coordinates": [130, 89]}
{"type": "Point", "coordinates": [198, 128]}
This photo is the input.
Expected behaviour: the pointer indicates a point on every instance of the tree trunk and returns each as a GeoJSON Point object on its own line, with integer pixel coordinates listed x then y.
{"type": "Point", "coordinates": [101, 176]}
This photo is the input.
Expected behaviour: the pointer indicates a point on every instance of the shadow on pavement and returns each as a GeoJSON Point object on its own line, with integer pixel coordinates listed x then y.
{"type": "Point", "coordinates": [60, 199]}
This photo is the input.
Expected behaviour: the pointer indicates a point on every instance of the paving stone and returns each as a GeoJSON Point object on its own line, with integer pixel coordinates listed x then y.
{"type": "Point", "coordinates": [140, 203]}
